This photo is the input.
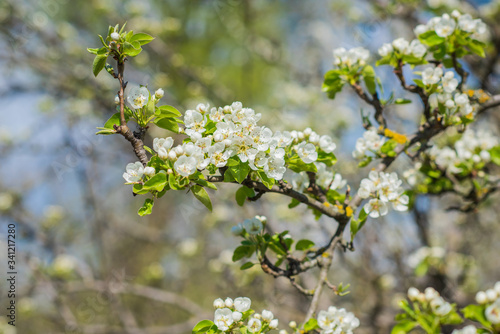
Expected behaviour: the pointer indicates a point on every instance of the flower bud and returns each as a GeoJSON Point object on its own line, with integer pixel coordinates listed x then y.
{"type": "Point", "coordinates": [227, 142]}
{"type": "Point", "coordinates": [228, 302]}
{"type": "Point", "coordinates": [257, 316]}
{"type": "Point", "coordinates": [117, 100]}
{"type": "Point", "coordinates": [283, 331]}
{"type": "Point", "coordinates": [491, 295]}
{"type": "Point", "coordinates": [497, 287]}
{"type": "Point", "coordinates": [481, 297]}
{"type": "Point", "coordinates": [115, 36]}
{"type": "Point", "coordinates": [308, 131]}
{"type": "Point", "coordinates": [273, 324]}
{"type": "Point", "coordinates": [413, 293]}
{"type": "Point", "coordinates": [219, 303]}
{"type": "Point", "coordinates": [218, 137]}
{"type": "Point", "coordinates": [178, 150]}
{"type": "Point", "coordinates": [170, 171]}
{"type": "Point", "coordinates": [237, 316]}
{"type": "Point", "coordinates": [159, 93]}
{"type": "Point", "coordinates": [237, 230]}
{"type": "Point", "coordinates": [149, 171]}
{"type": "Point", "coordinates": [267, 315]}
{"type": "Point", "coordinates": [172, 155]}
{"type": "Point", "coordinates": [292, 324]}
{"type": "Point", "coordinates": [300, 135]}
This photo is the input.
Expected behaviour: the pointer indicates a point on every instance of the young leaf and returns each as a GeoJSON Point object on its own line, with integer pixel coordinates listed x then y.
{"type": "Point", "coordinates": [156, 183]}
{"type": "Point", "coordinates": [242, 194]}
{"type": "Point", "coordinates": [247, 265]}
{"type": "Point", "coordinates": [201, 194]}
{"type": "Point", "coordinates": [202, 326]}
{"type": "Point", "coordinates": [167, 123]}
{"type": "Point", "coordinates": [304, 244]}
{"type": "Point", "coordinates": [369, 77]}
{"type": "Point", "coordinates": [167, 111]}
{"type": "Point", "coordinates": [310, 325]}
{"type": "Point", "coordinates": [242, 251]}
{"type": "Point", "coordinates": [99, 63]}
{"type": "Point", "coordinates": [142, 38]}
{"type": "Point", "coordinates": [146, 208]}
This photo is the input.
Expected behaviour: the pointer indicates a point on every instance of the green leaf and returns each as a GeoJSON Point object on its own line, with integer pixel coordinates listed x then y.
{"type": "Point", "coordinates": [304, 244]}
{"type": "Point", "coordinates": [476, 313]}
{"type": "Point", "coordinates": [202, 326]}
{"type": "Point", "coordinates": [132, 49]}
{"type": "Point", "coordinates": [93, 51]}
{"type": "Point", "coordinates": [388, 147]}
{"type": "Point", "coordinates": [328, 159]}
{"type": "Point", "coordinates": [104, 131]}
{"type": "Point", "coordinates": [310, 325]}
{"type": "Point", "coordinates": [293, 203]}
{"type": "Point", "coordinates": [99, 63]}
{"type": "Point", "coordinates": [495, 155]}
{"type": "Point", "coordinates": [365, 162]}
{"type": "Point", "coordinates": [431, 38]}
{"type": "Point", "coordinates": [477, 48]}
{"type": "Point", "coordinates": [239, 171]}
{"type": "Point", "coordinates": [369, 77]}
{"type": "Point", "coordinates": [242, 251]}
{"type": "Point", "coordinates": [205, 183]}
{"type": "Point", "coordinates": [146, 208]}
{"type": "Point", "coordinates": [402, 101]}
{"type": "Point", "coordinates": [268, 182]}
{"type": "Point", "coordinates": [167, 123]}
{"type": "Point", "coordinates": [242, 194]}
{"type": "Point", "coordinates": [167, 111]}
{"type": "Point", "coordinates": [114, 120]}
{"type": "Point", "coordinates": [333, 83]}
{"type": "Point", "coordinates": [142, 38]}
{"type": "Point", "coordinates": [138, 189]}
{"type": "Point", "coordinates": [156, 183]}
{"type": "Point", "coordinates": [247, 265]}
{"type": "Point", "coordinates": [201, 194]}
{"type": "Point", "coordinates": [404, 327]}
{"type": "Point", "coordinates": [297, 165]}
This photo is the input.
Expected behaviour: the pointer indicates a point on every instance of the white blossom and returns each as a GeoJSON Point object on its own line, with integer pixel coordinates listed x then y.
{"type": "Point", "coordinates": [326, 144]}
{"type": "Point", "coordinates": [254, 325]}
{"type": "Point", "coordinates": [267, 315]}
{"type": "Point", "coordinates": [252, 226]}
{"type": "Point", "coordinates": [445, 26]}
{"type": "Point", "coordinates": [492, 312]}
{"type": "Point", "coordinates": [218, 303]}
{"type": "Point", "coordinates": [307, 152]}
{"type": "Point", "coordinates": [149, 171]}
{"type": "Point", "coordinates": [133, 172]}
{"type": "Point", "coordinates": [138, 97]}
{"type": "Point", "coordinates": [185, 165]}
{"type": "Point", "coordinates": [159, 93]}
{"type": "Point", "coordinates": [273, 324]}
{"type": "Point", "coordinates": [431, 76]}
{"type": "Point", "coordinates": [242, 304]}
{"type": "Point", "coordinates": [223, 318]}
{"type": "Point", "coordinates": [385, 49]}
{"type": "Point", "coordinates": [115, 36]}
{"type": "Point", "coordinates": [449, 82]}
{"type": "Point", "coordinates": [465, 330]}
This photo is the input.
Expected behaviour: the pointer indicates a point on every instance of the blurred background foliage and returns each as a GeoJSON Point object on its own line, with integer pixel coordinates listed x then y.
{"type": "Point", "coordinates": [89, 264]}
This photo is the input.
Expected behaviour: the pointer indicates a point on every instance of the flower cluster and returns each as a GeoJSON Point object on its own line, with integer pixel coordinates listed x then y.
{"type": "Point", "coordinates": [337, 321]}
{"type": "Point", "coordinates": [218, 134]}
{"type": "Point", "coordinates": [251, 226]}
{"type": "Point", "coordinates": [231, 314]}
{"type": "Point", "coordinates": [431, 299]}
{"type": "Point", "coordinates": [325, 178]}
{"type": "Point", "coordinates": [491, 299]}
{"type": "Point", "coordinates": [382, 188]}
{"type": "Point", "coordinates": [351, 57]}
{"type": "Point", "coordinates": [446, 25]}
{"type": "Point", "coordinates": [471, 151]}
{"type": "Point", "coordinates": [370, 142]}
{"type": "Point", "coordinates": [402, 47]}
{"type": "Point", "coordinates": [434, 76]}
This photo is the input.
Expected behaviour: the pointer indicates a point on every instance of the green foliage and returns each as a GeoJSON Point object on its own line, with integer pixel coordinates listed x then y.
{"type": "Point", "coordinates": [146, 208]}
{"type": "Point", "coordinates": [201, 194]}
{"type": "Point", "coordinates": [242, 194]}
